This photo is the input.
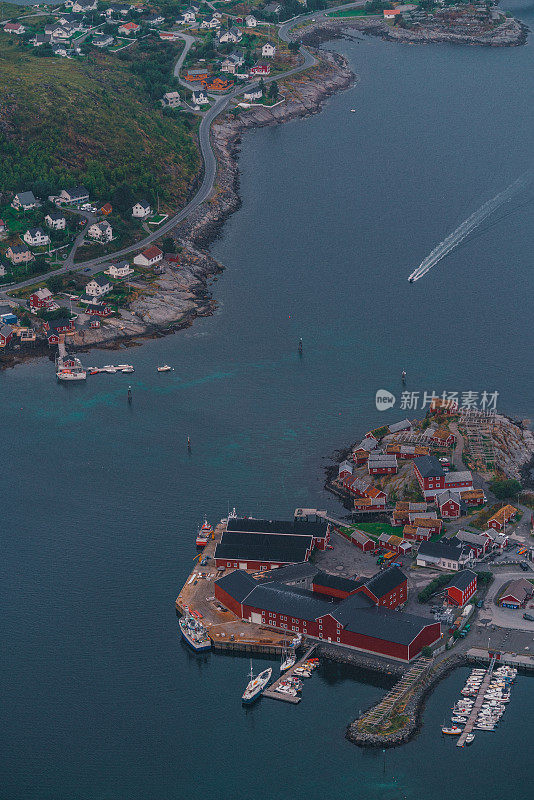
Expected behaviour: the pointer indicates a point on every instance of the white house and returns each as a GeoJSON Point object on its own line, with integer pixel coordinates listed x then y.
{"type": "Point", "coordinates": [56, 221]}
{"type": "Point", "coordinates": [98, 286]}
{"type": "Point", "coordinates": [102, 40]}
{"type": "Point", "coordinates": [200, 98]}
{"type": "Point", "coordinates": [188, 15]}
{"type": "Point", "coordinates": [59, 50]}
{"type": "Point", "coordinates": [232, 63]}
{"type": "Point", "coordinates": [102, 231]}
{"type": "Point", "coordinates": [14, 27]}
{"type": "Point", "coordinates": [391, 13]}
{"type": "Point", "coordinates": [119, 270]}
{"type": "Point", "coordinates": [170, 100]}
{"type": "Point", "coordinates": [141, 210]}
{"type": "Point", "coordinates": [78, 194]}
{"type": "Point", "coordinates": [233, 35]}
{"type": "Point", "coordinates": [24, 201]}
{"type": "Point", "coordinates": [268, 50]}
{"type": "Point", "coordinates": [254, 93]}
{"type": "Point", "coordinates": [147, 258]}
{"type": "Point", "coordinates": [80, 6]}
{"type": "Point", "coordinates": [214, 22]}
{"type": "Point", "coordinates": [251, 21]}
{"type": "Point", "coordinates": [35, 237]}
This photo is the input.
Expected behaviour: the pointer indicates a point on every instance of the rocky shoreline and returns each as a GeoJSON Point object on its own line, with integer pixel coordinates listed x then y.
{"type": "Point", "coordinates": [512, 33]}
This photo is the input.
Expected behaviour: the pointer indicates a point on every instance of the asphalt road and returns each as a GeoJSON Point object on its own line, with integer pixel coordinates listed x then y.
{"type": "Point", "coordinates": [208, 156]}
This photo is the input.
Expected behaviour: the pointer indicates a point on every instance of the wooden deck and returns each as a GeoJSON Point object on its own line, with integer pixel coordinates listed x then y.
{"type": "Point", "coordinates": [271, 690]}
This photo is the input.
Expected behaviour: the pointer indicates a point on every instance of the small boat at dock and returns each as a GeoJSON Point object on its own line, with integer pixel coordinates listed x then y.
{"type": "Point", "coordinates": [204, 533]}
{"type": "Point", "coordinates": [288, 660]}
{"type": "Point", "coordinates": [454, 731]}
{"type": "Point", "coordinates": [256, 685]}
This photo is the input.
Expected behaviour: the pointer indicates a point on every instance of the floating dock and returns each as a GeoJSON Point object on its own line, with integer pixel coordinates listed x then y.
{"type": "Point", "coordinates": [477, 705]}
{"type": "Point", "coordinates": [271, 690]}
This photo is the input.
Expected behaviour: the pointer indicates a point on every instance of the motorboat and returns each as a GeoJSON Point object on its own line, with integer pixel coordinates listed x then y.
{"type": "Point", "coordinates": [109, 368]}
{"type": "Point", "coordinates": [461, 720]}
{"type": "Point", "coordinates": [469, 739]}
{"type": "Point", "coordinates": [125, 367]}
{"type": "Point", "coordinates": [256, 685]}
{"type": "Point", "coordinates": [303, 673]}
{"type": "Point", "coordinates": [453, 731]}
{"type": "Point", "coordinates": [164, 368]}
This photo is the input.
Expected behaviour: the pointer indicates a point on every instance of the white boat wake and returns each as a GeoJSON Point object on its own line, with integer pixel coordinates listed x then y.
{"type": "Point", "coordinates": [467, 226]}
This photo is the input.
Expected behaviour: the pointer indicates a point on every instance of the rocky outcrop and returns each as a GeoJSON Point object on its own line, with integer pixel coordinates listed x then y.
{"type": "Point", "coordinates": [514, 446]}
{"type": "Point", "coordinates": [510, 33]}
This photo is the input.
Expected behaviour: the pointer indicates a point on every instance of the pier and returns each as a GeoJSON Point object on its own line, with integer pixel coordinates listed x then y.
{"type": "Point", "coordinates": [392, 702]}
{"type": "Point", "coordinates": [271, 690]}
{"type": "Point", "coordinates": [472, 718]}
{"type": "Point", "coordinates": [226, 632]}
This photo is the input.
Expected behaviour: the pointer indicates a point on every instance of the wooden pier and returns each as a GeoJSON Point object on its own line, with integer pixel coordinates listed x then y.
{"type": "Point", "coordinates": [271, 690]}
{"type": "Point", "coordinates": [472, 718]}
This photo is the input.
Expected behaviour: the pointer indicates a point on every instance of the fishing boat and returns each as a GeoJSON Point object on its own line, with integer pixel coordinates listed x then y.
{"type": "Point", "coordinates": [454, 731]}
{"type": "Point", "coordinates": [69, 368]}
{"type": "Point", "coordinates": [256, 685]}
{"type": "Point", "coordinates": [203, 534]}
{"type": "Point", "coordinates": [288, 659]}
{"type": "Point", "coordinates": [194, 633]}
{"type": "Point", "coordinates": [164, 368]}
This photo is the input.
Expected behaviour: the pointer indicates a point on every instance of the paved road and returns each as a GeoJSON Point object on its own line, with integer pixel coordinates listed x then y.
{"type": "Point", "coordinates": [208, 156]}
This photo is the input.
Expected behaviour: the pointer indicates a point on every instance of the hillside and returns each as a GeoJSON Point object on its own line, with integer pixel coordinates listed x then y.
{"type": "Point", "coordinates": [92, 120]}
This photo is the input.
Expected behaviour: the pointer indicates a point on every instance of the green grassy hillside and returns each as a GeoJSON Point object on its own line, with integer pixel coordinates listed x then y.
{"type": "Point", "coordinates": [92, 120]}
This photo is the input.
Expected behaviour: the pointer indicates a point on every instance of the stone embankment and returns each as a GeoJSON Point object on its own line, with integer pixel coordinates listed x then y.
{"type": "Point", "coordinates": [511, 33]}
{"type": "Point", "coordinates": [412, 712]}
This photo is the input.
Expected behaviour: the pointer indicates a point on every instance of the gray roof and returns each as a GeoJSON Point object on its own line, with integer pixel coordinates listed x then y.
{"type": "Point", "coordinates": [448, 494]}
{"type": "Point", "coordinates": [367, 444]}
{"type": "Point", "coordinates": [337, 582]}
{"type": "Point", "coordinates": [6, 330]}
{"type": "Point", "coordinates": [473, 538]}
{"type": "Point", "coordinates": [384, 582]}
{"type": "Point", "coordinates": [445, 548]}
{"type": "Point", "coordinates": [462, 579]}
{"type": "Point", "coordinates": [77, 191]}
{"type": "Point", "coordinates": [26, 198]}
{"type": "Point", "coordinates": [291, 572]}
{"type": "Point", "coordinates": [238, 584]}
{"type": "Point", "coordinates": [453, 477]}
{"type": "Point", "coordinates": [55, 215]}
{"type": "Point", "coordinates": [382, 459]}
{"type": "Point", "coordinates": [16, 249]}
{"type": "Point", "coordinates": [400, 426]}
{"type": "Point", "coordinates": [35, 232]}
{"type": "Point", "coordinates": [289, 600]}
{"type": "Point", "coordinates": [380, 623]}
{"type": "Point", "coordinates": [521, 589]}
{"type": "Point", "coordinates": [429, 466]}
{"type": "Point", "coordinates": [99, 280]}
{"type": "Point", "coordinates": [240, 546]}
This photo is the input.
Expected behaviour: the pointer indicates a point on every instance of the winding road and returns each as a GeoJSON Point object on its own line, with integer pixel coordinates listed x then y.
{"type": "Point", "coordinates": [206, 149]}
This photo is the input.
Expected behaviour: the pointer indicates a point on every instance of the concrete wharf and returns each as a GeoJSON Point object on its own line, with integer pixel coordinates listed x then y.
{"type": "Point", "coordinates": [271, 690]}
{"type": "Point", "coordinates": [226, 631]}
{"type": "Point", "coordinates": [469, 725]}
{"type": "Point", "coordinates": [523, 663]}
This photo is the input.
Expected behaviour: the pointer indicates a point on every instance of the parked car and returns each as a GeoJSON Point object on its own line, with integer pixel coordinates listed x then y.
{"type": "Point", "coordinates": [528, 616]}
{"type": "Point", "coordinates": [479, 603]}
{"type": "Point", "coordinates": [524, 566]}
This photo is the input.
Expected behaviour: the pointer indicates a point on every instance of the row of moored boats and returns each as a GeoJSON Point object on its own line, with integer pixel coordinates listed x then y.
{"type": "Point", "coordinates": [290, 686]}
{"type": "Point", "coordinates": [496, 695]}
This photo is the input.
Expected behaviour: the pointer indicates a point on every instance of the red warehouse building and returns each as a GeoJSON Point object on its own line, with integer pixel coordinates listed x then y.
{"type": "Point", "coordinates": [334, 585]}
{"type": "Point", "coordinates": [382, 464]}
{"type": "Point", "coordinates": [361, 540]}
{"type": "Point", "coordinates": [462, 587]}
{"type": "Point", "coordinates": [261, 551]}
{"type": "Point", "coordinates": [304, 524]}
{"type": "Point", "coordinates": [354, 622]}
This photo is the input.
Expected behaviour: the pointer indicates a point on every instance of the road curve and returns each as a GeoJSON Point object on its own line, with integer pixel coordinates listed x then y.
{"type": "Point", "coordinates": [206, 150]}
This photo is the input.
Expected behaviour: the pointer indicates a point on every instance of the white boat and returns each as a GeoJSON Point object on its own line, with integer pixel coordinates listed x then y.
{"type": "Point", "coordinates": [469, 739]}
{"type": "Point", "coordinates": [164, 368]}
{"type": "Point", "coordinates": [109, 368]}
{"type": "Point", "coordinates": [69, 368]}
{"type": "Point", "coordinates": [256, 685]}
{"type": "Point", "coordinates": [303, 673]}
{"type": "Point", "coordinates": [454, 731]}
{"type": "Point", "coordinates": [459, 720]}
{"type": "Point", "coordinates": [288, 660]}
{"type": "Point", "coordinates": [125, 367]}
{"type": "Point", "coordinates": [284, 689]}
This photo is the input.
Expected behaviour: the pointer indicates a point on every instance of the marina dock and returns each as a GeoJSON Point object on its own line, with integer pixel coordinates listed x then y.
{"type": "Point", "coordinates": [472, 718]}
{"type": "Point", "coordinates": [271, 690]}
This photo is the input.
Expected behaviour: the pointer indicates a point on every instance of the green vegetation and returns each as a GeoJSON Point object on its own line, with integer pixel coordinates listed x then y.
{"type": "Point", "coordinates": [484, 578]}
{"type": "Point", "coordinates": [93, 121]}
{"type": "Point", "coordinates": [426, 651]}
{"type": "Point", "coordinates": [505, 489]}
{"type": "Point", "coordinates": [438, 583]}
{"type": "Point", "coordinates": [374, 529]}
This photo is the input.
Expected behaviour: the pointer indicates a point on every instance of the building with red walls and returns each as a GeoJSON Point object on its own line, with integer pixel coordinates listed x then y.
{"type": "Point", "coordinates": [355, 622]}
{"type": "Point", "coordinates": [461, 588]}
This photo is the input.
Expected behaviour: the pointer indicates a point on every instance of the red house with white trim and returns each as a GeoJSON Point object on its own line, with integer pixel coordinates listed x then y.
{"type": "Point", "coordinates": [461, 588]}
{"type": "Point", "coordinates": [42, 298]}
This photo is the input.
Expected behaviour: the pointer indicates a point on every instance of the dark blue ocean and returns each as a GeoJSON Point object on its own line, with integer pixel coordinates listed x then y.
{"type": "Point", "coordinates": [100, 500]}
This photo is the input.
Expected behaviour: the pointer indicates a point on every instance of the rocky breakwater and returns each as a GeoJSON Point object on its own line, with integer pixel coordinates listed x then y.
{"type": "Point", "coordinates": [509, 33]}
{"type": "Point", "coordinates": [403, 724]}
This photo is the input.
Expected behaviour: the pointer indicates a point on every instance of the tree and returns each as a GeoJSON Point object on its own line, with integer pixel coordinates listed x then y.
{"type": "Point", "coordinates": [55, 283]}
{"type": "Point", "coordinates": [507, 489]}
{"type": "Point", "coordinates": [122, 199]}
{"type": "Point", "coordinates": [168, 245]}
{"type": "Point", "coordinates": [426, 651]}
{"type": "Point", "coordinates": [273, 90]}
{"type": "Point", "coordinates": [294, 47]}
